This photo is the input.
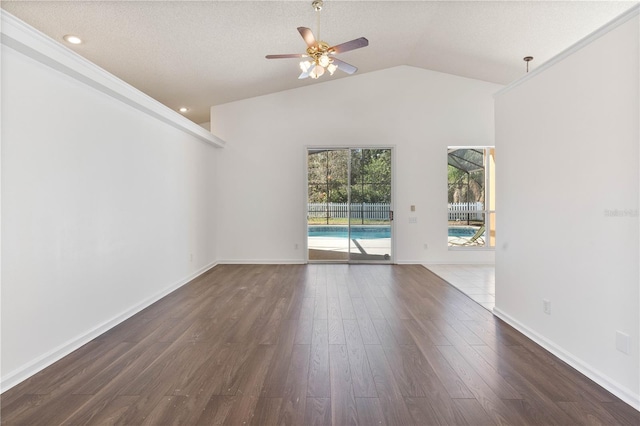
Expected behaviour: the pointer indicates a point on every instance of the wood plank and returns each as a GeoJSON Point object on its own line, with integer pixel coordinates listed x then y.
{"type": "Point", "coordinates": [473, 412]}
{"type": "Point", "coordinates": [367, 329]}
{"type": "Point", "coordinates": [333, 308]}
{"type": "Point", "coordinates": [455, 386]}
{"type": "Point", "coordinates": [393, 406]}
{"type": "Point", "coordinates": [319, 385]}
{"type": "Point", "coordinates": [321, 309]}
{"type": "Point", "coordinates": [413, 374]}
{"type": "Point", "coordinates": [293, 407]}
{"type": "Point", "coordinates": [385, 335]}
{"type": "Point", "coordinates": [370, 411]}
{"type": "Point", "coordinates": [392, 309]}
{"type": "Point", "coordinates": [498, 412]}
{"type": "Point", "coordinates": [429, 331]}
{"type": "Point", "coordinates": [346, 306]}
{"type": "Point", "coordinates": [581, 383]}
{"type": "Point", "coordinates": [216, 410]}
{"type": "Point", "coordinates": [269, 331]}
{"type": "Point", "coordinates": [27, 410]}
{"type": "Point", "coordinates": [623, 413]}
{"type": "Point", "coordinates": [372, 308]}
{"type": "Point", "coordinates": [536, 405]}
{"type": "Point", "coordinates": [275, 381]}
{"type": "Point", "coordinates": [318, 412]}
{"type": "Point", "coordinates": [267, 411]}
{"type": "Point", "coordinates": [423, 413]}
{"type": "Point", "coordinates": [304, 334]}
{"type": "Point", "coordinates": [176, 409]}
{"type": "Point", "coordinates": [400, 332]}
{"type": "Point", "coordinates": [89, 378]}
{"type": "Point", "coordinates": [250, 385]}
{"type": "Point", "coordinates": [343, 403]}
{"type": "Point", "coordinates": [585, 413]}
{"type": "Point", "coordinates": [362, 378]}
{"type": "Point", "coordinates": [336, 332]}
{"type": "Point", "coordinates": [489, 375]}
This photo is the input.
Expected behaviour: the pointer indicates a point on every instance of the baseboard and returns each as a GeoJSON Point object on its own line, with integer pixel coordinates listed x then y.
{"type": "Point", "coordinates": [625, 394]}
{"type": "Point", "coordinates": [45, 360]}
{"type": "Point", "coordinates": [262, 262]}
{"type": "Point", "coordinates": [457, 262]}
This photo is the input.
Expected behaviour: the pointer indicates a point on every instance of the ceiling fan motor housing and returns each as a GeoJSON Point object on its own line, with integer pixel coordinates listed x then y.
{"type": "Point", "coordinates": [319, 49]}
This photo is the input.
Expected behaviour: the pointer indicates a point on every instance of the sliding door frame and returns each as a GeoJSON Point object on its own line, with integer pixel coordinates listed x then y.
{"type": "Point", "coordinates": [305, 153]}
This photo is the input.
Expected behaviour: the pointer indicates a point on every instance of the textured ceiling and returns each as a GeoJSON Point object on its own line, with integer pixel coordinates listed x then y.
{"type": "Point", "coordinates": [199, 54]}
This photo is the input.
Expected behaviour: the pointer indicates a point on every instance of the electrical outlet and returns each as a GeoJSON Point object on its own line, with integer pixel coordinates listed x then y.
{"type": "Point", "coordinates": [623, 342]}
{"type": "Point", "coordinates": [413, 219]}
{"type": "Point", "coordinates": [295, 246]}
{"type": "Point", "coordinates": [426, 246]}
{"type": "Point", "coordinates": [191, 257]}
{"type": "Point", "coordinates": [546, 306]}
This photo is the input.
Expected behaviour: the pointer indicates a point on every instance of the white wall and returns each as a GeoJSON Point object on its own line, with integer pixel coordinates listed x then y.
{"type": "Point", "coordinates": [262, 169]}
{"type": "Point", "coordinates": [567, 140]}
{"type": "Point", "coordinates": [104, 208]}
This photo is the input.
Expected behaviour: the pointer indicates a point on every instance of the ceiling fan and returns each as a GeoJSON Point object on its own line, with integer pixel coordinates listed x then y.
{"type": "Point", "coordinates": [320, 55]}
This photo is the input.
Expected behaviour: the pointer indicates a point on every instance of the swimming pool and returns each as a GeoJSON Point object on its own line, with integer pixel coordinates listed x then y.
{"type": "Point", "coordinates": [369, 232]}
{"type": "Point", "coordinates": [358, 232]}
{"type": "Point", "coordinates": [462, 231]}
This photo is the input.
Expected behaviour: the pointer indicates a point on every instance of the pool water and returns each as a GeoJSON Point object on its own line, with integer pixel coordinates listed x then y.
{"type": "Point", "coordinates": [357, 232]}
{"type": "Point", "coordinates": [462, 231]}
{"type": "Point", "coordinates": [373, 232]}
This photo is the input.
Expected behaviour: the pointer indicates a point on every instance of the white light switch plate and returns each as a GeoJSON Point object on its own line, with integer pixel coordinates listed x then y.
{"type": "Point", "coordinates": [623, 342]}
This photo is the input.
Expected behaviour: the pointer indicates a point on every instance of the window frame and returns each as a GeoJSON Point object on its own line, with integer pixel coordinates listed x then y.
{"type": "Point", "coordinates": [488, 211]}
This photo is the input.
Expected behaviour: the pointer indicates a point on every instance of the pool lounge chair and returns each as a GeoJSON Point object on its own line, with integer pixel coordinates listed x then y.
{"type": "Point", "coordinates": [475, 240]}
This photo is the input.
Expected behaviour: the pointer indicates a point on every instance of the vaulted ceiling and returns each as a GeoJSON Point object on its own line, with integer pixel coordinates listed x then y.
{"type": "Point", "coordinates": [199, 54]}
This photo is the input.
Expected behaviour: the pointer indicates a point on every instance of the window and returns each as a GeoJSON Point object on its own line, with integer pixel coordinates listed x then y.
{"type": "Point", "coordinates": [471, 193]}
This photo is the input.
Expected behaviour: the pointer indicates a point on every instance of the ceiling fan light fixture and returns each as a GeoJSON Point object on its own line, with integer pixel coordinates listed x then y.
{"type": "Point", "coordinates": [317, 72]}
{"type": "Point", "coordinates": [324, 60]}
{"type": "Point", "coordinates": [305, 65]}
{"type": "Point", "coordinates": [319, 55]}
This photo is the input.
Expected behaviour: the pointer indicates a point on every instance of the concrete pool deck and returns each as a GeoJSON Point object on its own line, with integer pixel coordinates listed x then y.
{"type": "Point", "coordinates": [373, 246]}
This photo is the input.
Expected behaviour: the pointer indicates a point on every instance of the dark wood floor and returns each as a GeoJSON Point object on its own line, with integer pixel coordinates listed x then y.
{"type": "Point", "coordinates": [313, 344]}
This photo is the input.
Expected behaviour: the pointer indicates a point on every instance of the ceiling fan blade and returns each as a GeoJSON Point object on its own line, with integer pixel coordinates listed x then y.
{"type": "Point", "coordinates": [288, 55]}
{"type": "Point", "coordinates": [342, 65]}
{"type": "Point", "coordinates": [307, 35]}
{"type": "Point", "coordinates": [350, 45]}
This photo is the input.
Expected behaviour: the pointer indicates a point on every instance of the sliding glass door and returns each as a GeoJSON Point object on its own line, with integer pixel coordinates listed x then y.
{"type": "Point", "coordinates": [349, 205]}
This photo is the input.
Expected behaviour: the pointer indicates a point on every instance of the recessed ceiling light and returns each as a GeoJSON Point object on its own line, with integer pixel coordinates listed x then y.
{"type": "Point", "coordinates": [70, 38]}
{"type": "Point", "coordinates": [183, 109]}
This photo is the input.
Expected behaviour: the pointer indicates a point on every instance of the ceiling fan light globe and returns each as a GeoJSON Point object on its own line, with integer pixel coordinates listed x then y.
{"type": "Point", "coordinates": [318, 70]}
{"type": "Point", "coordinates": [332, 68]}
{"type": "Point", "coordinates": [305, 65]}
{"type": "Point", "coordinates": [324, 60]}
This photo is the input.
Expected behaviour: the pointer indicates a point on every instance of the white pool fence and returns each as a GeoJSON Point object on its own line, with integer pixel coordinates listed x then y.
{"type": "Point", "coordinates": [457, 211]}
